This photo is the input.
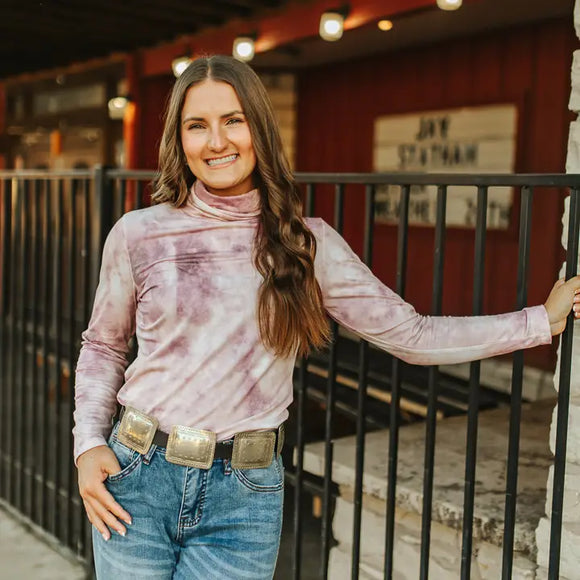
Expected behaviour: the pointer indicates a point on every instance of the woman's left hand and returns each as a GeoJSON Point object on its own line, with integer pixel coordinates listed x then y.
{"type": "Point", "coordinates": [563, 297]}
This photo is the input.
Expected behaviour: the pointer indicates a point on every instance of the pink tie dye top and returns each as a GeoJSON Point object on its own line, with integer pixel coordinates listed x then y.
{"type": "Point", "coordinates": [184, 282]}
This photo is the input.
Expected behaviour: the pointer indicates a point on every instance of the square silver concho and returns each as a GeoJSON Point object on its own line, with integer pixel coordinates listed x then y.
{"type": "Point", "coordinates": [253, 449]}
{"type": "Point", "coordinates": [137, 430]}
{"type": "Point", "coordinates": [191, 447]}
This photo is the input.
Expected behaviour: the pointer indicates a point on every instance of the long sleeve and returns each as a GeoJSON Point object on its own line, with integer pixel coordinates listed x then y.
{"type": "Point", "coordinates": [355, 298]}
{"type": "Point", "coordinates": [103, 357]}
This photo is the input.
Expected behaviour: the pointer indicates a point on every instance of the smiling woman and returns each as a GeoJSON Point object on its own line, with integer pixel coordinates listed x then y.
{"type": "Point", "coordinates": [224, 282]}
{"type": "Point", "coordinates": [216, 138]}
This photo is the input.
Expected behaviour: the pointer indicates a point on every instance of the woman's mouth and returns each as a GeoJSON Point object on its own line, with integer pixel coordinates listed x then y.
{"type": "Point", "coordinates": [219, 161]}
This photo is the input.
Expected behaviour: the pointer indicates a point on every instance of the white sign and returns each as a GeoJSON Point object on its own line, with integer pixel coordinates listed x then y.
{"type": "Point", "coordinates": [467, 140]}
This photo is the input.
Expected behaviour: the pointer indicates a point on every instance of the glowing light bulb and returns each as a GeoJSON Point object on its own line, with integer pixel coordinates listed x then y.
{"type": "Point", "coordinates": [449, 4]}
{"type": "Point", "coordinates": [180, 64]}
{"type": "Point", "coordinates": [331, 26]}
{"type": "Point", "coordinates": [385, 25]}
{"type": "Point", "coordinates": [244, 48]}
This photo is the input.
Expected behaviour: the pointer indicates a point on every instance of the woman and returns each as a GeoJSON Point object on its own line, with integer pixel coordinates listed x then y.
{"type": "Point", "coordinates": [223, 283]}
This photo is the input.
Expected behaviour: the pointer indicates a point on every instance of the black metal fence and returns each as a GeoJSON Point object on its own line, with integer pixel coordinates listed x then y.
{"type": "Point", "coordinates": [52, 231]}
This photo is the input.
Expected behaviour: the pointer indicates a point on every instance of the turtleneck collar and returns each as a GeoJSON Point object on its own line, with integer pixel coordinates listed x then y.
{"type": "Point", "coordinates": [231, 208]}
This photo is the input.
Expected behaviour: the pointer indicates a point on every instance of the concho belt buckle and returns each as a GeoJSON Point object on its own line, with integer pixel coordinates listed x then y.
{"type": "Point", "coordinates": [137, 430]}
{"type": "Point", "coordinates": [281, 438]}
{"type": "Point", "coordinates": [191, 447]}
{"type": "Point", "coordinates": [253, 449]}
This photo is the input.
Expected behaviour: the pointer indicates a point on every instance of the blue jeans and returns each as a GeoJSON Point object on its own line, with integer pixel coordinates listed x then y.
{"type": "Point", "coordinates": [191, 523]}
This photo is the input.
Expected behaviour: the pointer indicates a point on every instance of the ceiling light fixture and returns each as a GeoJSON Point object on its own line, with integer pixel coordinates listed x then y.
{"type": "Point", "coordinates": [385, 25]}
{"type": "Point", "coordinates": [179, 64]}
{"type": "Point", "coordinates": [117, 107]}
{"type": "Point", "coordinates": [449, 4]}
{"type": "Point", "coordinates": [332, 24]}
{"type": "Point", "coordinates": [244, 48]}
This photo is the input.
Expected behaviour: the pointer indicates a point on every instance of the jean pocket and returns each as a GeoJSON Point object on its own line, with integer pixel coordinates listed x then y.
{"type": "Point", "coordinates": [128, 459]}
{"type": "Point", "coordinates": [266, 479]}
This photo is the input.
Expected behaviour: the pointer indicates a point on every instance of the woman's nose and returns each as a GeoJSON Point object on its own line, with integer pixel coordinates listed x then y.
{"type": "Point", "coordinates": [217, 141]}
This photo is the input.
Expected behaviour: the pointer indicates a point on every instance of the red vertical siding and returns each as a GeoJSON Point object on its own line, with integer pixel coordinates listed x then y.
{"type": "Point", "coordinates": [529, 66]}
{"type": "Point", "coordinates": [154, 94]}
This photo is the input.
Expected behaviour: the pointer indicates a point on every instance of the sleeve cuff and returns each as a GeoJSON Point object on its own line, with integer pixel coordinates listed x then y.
{"type": "Point", "coordinates": [90, 443]}
{"type": "Point", "coordinates": [539, 323]}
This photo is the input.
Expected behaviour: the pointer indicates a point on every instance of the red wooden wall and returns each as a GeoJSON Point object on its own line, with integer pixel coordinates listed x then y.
{"type": "Point", "coordinates": [154, 94]}
{"type": "Point", "coordinates": [529, 66]}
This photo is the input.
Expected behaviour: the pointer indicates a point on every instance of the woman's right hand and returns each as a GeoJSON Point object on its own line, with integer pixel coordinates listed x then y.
{"type": "Point", "coordinates": [94, 466]}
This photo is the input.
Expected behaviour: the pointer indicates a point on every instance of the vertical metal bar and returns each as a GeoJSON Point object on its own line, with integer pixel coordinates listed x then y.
{"type": "Point", "coordinates": [431, 428]}
{"type": "Point", "coordinates": [102, 219]}
{"type": "Point", "coordinates": [87, 256]}
{"type": "Point", "coordinates": [402, 245]}
{"type": "Point", "coordinates": [517, 382]}
{"type": "Point", "coordinates": [57, 318]}
{"type": "Point", "coordinates": [21, 380]}
{"type": "Point", "coordinates": [330, 396]}
{"type": "Point", "coordinates": [23, 404]}
{"type": "Point", "coordinates": [5, 298]}
{"type": "Point", "coordinates": [13, 352]}
{"type": "Point", "coordinates": [35, 434]}
{"type": "Point", "coordinates": [45, 404]}
{"type": "Point", "coordinates": [139, 199]}
{"type": "Point", "coordinates": [122, 194]}
{"type": "Point", "coordinates": [472, 414]}
{"type": "Point", "coordinates": [84, 547]}
{"type": "Point", "coordinates": [71, 356]}
{"type": "Point", "coordinates": [564, 395]}
{"type": "Point", "coordinates": [301, 418]}
{"type": "Point", "coordinates": [362, 393]}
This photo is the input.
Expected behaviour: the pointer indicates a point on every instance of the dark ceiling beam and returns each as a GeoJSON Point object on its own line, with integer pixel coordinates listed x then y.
{"type": "Point", "coordinates": [136, 22]}
{"type": "Point", "coordinates": [203, 11]}
{"type": "Point", "coordinates": [156, 15]}
{"type": "Point", "coordinates": [253, 5]}
{"type": "Point", "coordinates": [73, 31]}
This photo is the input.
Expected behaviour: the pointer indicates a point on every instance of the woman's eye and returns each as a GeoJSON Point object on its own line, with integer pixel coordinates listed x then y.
{"type": "Point", "coordinates": [234, 121]}
{"type": "Point", "coordinates": [194, 126]}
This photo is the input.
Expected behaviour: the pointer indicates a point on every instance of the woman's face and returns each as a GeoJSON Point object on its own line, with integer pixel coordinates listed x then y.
{"type": "Point", "coordinates": [216, 138]}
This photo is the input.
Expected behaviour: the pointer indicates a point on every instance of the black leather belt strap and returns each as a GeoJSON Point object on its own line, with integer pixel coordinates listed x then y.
{"type": "Point", "coordinates": [223, 449]}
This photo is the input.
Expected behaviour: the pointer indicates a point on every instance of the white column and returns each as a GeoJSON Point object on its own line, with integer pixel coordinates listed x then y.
{"type": "Point", "coordinates": [570, 548]}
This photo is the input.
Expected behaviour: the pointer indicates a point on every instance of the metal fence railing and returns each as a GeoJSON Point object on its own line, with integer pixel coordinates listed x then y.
{"type": "Point", "coordinates": [52, 230]}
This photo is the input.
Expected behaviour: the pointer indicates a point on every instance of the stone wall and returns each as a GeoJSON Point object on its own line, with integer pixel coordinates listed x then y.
{"type": "Point", "coordinates": [570, 547]}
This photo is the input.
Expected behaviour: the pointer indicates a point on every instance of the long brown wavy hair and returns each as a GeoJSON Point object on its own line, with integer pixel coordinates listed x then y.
{"type": "Point", "coordinates": [291, 314]}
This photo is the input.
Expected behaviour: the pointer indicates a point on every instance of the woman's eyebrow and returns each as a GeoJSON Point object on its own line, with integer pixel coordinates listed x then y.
{"type": "Point", "coordinates": [224, 116]}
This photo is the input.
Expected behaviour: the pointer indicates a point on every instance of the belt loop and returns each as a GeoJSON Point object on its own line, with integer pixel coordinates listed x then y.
{"type": "Point", "coordinates": [280, 439]}
{"type": "Point", "coordinates": [147, 457]}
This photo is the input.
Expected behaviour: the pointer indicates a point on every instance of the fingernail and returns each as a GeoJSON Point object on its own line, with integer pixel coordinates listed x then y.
{"type": "Point", "coordinates": [123, 533]}
{"type": "Point", "coordinates": [105, 536]}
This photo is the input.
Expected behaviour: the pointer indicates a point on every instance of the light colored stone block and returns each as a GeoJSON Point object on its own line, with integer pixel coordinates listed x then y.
{"type": "Point", "coordinates": [575, 372]}
{"type": "Point", "coordinates": [577, 18]}
{"type": "Point", "coordinates": [569, 552]}
{"type": "Point", "coordinates": [445, 552]}
{"type": "Point", "coordinates": [564, 239]}
{"type": "Point", "coordinates": [573, 157]}
{"type": "Point", "coordinates": [574, 104]}
{"type": "Point", "coordinates": [535, 460]}
{"type": "Point", "coordinates": [571, 506]}
{"type": "Point", "coordinates": [573, 439]}
{"type": "Point", "coordinates": [537, 384]}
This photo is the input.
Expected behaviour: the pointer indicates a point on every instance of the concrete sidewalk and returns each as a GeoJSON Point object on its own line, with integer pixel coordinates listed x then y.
{"type": "Point", "coordinates": [24, 556]}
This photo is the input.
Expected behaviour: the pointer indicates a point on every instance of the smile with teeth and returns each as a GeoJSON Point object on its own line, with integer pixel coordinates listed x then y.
{"type": "Point", "coordinates": [221, 160]}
